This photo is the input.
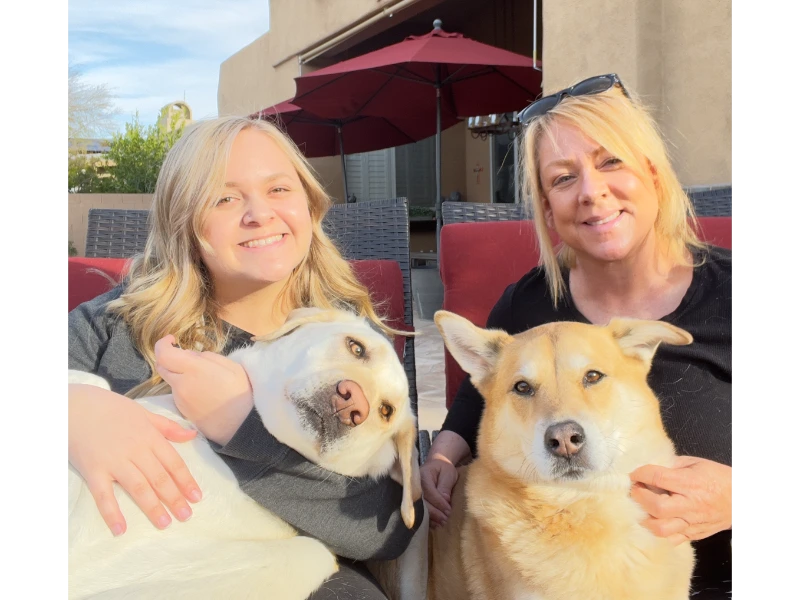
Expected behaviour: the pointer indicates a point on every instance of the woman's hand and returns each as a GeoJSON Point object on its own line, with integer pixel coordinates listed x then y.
{"type": "Point", "coordinates": [690, 501]}
{"type": "Point", "coordinates": [112, 438]}
{"type": "Point", "coordinates": [210, 390]}
{"type": "Point", "coordinates": [439, 474]}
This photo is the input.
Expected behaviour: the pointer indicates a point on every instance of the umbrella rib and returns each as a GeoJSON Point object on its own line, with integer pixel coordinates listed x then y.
{"type": "Point", "coordinates": [411, 139]}
{"type": "Point", "coordinates": [504, 76]}
{"type": "Point", "coordinates": [379, 90]}
{"type": "Point", "coordinates": [452, 77]}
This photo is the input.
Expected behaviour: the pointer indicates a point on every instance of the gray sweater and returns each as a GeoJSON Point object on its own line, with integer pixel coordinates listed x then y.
{"type": "Point", "coordinates": [357, 518]}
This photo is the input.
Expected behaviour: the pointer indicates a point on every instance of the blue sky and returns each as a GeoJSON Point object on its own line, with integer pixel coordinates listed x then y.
{"type": "Point", "coordinates": [153, 52]}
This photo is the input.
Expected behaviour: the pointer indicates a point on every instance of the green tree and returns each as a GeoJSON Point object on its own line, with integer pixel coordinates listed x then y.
{"type": "Point", "coordinates": [135, 157]}
{"type": "Point", "coordinates": [132, 163]}
{"type": "Point", "coordinates": [84, 174]}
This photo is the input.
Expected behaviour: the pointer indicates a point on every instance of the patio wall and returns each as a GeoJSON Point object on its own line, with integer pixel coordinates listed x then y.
{"type": "Point", "coordinates": [78, 211]}
{"type": "Point", "coordinates": [675, 53]}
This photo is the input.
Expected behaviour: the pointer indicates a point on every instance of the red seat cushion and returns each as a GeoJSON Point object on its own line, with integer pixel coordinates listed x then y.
{"type": "Point", "coordinates": [84, 284]}
{"type": "Point", "coordinates": [478, 261]}
{"type": "Point", "coordinates": [382, 278]}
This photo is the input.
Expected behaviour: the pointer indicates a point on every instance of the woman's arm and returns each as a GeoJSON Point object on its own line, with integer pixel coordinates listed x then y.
{"type": "Point", "coordinates": [112, 438]}
{"type": "Point", "coordinates": [358, 518]}
{"type": "Point", "coordinates": [355, 517]}
{"type": "Point", "coordinates": [456, 441]}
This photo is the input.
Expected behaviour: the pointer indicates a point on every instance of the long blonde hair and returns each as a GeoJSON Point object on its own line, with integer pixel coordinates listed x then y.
{"type": "Point", "coordinates": [169, 290]}
{"type": "Point", "coordinates": [625, 128]}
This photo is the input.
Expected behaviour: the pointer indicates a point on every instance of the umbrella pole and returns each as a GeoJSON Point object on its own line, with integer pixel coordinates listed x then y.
{"type": "Point", "coordinates": [344, 167]}
{"type": "Point", "coordinates": [438, 156]}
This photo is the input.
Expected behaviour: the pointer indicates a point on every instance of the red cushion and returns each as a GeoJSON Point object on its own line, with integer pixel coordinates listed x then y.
{"type": "Point", "coordinates": [383, 279]}
{"type": "Point", "coordinates": [83, 284]}
{"type": "Point", "coordinates": [478, 261]}
{"type": "Point", "coordinates": [716, 231]}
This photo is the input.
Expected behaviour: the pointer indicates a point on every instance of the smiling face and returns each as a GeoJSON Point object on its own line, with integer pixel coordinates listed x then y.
{"type": "Point", "coordinates": [259, 229]}
{"type": "Point", "coordinates": [599, 206]}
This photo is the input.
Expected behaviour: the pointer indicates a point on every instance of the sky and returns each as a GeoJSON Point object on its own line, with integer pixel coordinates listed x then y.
{"type": "Point", "coordinates": [152, 52]}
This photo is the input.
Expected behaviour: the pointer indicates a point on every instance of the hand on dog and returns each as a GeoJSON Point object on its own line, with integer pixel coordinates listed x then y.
{"type": "Point", "coordinates": [438, 476]}
{"type": "Point", "coordinates": [112, 438]}
{"type": "Point", "coordinates": [210, 390]}
{"type": "Point", "coordinates": [690, 501]}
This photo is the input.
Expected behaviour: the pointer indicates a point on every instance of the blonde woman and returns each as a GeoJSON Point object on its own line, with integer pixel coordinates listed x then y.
{"type": "Point", "coordinates": [236, 244]}
{"type": "Point", "coordinates": [598, 174]}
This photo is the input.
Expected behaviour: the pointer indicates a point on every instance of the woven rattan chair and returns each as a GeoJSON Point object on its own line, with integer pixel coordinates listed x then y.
{"type": "Point", "coordinates": [378, 230]}
{"type": "Point", "coordinates": [465, 212]}
{"type": "Point", "coordinates": [714, 201]}
{"type": "Point", "coordinates": [116, 233]}
{"type": "Point", "coordinates": [709, 201]}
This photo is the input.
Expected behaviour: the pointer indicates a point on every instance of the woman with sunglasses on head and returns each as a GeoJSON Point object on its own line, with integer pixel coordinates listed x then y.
{"type": "Point", "coordinates": [597, 174]}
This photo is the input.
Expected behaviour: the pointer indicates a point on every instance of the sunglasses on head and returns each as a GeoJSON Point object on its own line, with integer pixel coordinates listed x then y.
{"type": "Point", "coordinates": [587, 87]}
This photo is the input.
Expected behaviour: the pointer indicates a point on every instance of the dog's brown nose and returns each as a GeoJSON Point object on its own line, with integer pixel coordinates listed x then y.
{"type": "Point", "coordinates": [350, 404]}
{"type": "Point", "coordinates": [564, 439]}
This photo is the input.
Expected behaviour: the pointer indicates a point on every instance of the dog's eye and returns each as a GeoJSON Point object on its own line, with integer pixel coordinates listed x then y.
{"type": "Point", "coordinates": [387, 411]}
{"type": "Point", "coordinates": [523, 388]}
{"type": "Point", "coordinates": [592, 377]}
{"type": "Point", "coordinates": [356, 348]}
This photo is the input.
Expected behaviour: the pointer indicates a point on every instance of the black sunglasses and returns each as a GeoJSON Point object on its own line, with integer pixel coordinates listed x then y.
{"type": "Point", "coordinates": [593, 85]}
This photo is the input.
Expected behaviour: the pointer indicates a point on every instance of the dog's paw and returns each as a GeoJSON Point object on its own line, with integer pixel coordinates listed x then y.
{"type": "Point", "coordinates": [88, 379]}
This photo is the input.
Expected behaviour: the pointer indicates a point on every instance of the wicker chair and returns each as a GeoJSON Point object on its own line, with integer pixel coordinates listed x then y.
{"type": "Point", "coordinates": [378, 230]}
{"type": "Point", "coordinates": [709, 201]}
{"type": "Point", "coordinates": [712, 201]}
{"type": "Point", "coordinates": [116, 233]}
{"type": "Point", "coordinates": [463, 212]}
{"type": "Point", "coordinates": [362, 231]}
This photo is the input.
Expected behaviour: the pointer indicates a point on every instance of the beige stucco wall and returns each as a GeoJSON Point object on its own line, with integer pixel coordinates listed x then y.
{"type": "Point", "coordinates": [259, 75]}
{"type": "Point", "coordinates": [78, 211]}
{"type": "Point", "coordinates": [675, 53]}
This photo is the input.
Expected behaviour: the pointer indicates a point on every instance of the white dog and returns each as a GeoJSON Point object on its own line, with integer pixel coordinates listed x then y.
{"type": "Point", "coordinates": [232, 547]}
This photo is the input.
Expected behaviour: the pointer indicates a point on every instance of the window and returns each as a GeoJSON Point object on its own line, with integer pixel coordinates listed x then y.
{"type": "Point", "coordinates": [503, 158]}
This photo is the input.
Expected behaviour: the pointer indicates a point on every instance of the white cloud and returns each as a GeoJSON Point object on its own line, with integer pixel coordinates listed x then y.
{"type": "Point", "coordinates": [151, 52]}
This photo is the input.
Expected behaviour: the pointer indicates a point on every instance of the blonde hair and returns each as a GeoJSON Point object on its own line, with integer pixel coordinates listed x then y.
{"type": "Point", "coordinates": [624, 127]}
{"type": "Point", "coordinates": [169, 290]}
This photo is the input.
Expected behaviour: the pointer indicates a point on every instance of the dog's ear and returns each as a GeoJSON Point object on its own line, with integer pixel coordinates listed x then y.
{"type": "Point", "coordinates": [405, 470]}
{"type": "Point", "coordinates": [303, 316]}
{"type": "Point", "coordinates": [640, 338]}
{"type": "Point", "coordinates": [475, 349]}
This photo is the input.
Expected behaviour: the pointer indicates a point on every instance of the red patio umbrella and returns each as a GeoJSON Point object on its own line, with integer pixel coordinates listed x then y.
{"type": "Point", "coordinates": [318, 136]}
{"type": "Point", "coordinates": [429, 76]}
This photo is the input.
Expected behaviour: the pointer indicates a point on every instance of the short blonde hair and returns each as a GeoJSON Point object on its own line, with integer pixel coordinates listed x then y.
{"type": "Point", "coordinates": [169, 290]}
{"type": "Point", "coordinates": [625, 128]}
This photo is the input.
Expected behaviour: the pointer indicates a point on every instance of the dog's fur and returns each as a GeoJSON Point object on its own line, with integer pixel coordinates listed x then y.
{"type": "Point", "coordinates": [527, 524]}
{"type": "Point", "coordinates": [232, 547]}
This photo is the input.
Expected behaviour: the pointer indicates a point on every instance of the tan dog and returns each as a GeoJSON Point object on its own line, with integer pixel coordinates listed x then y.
{"type": "Point", "coordinates": [544, 511]}
{"type": "Point", "coordinates": [326, 384]}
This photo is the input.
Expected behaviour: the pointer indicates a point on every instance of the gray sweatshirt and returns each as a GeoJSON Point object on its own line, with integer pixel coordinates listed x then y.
{"type": "Point", "coordinates": [357, 518]}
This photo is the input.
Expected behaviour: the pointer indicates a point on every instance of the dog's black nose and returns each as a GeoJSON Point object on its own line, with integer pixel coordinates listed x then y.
{"type": "Point", "coordinates": [564, 439]}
